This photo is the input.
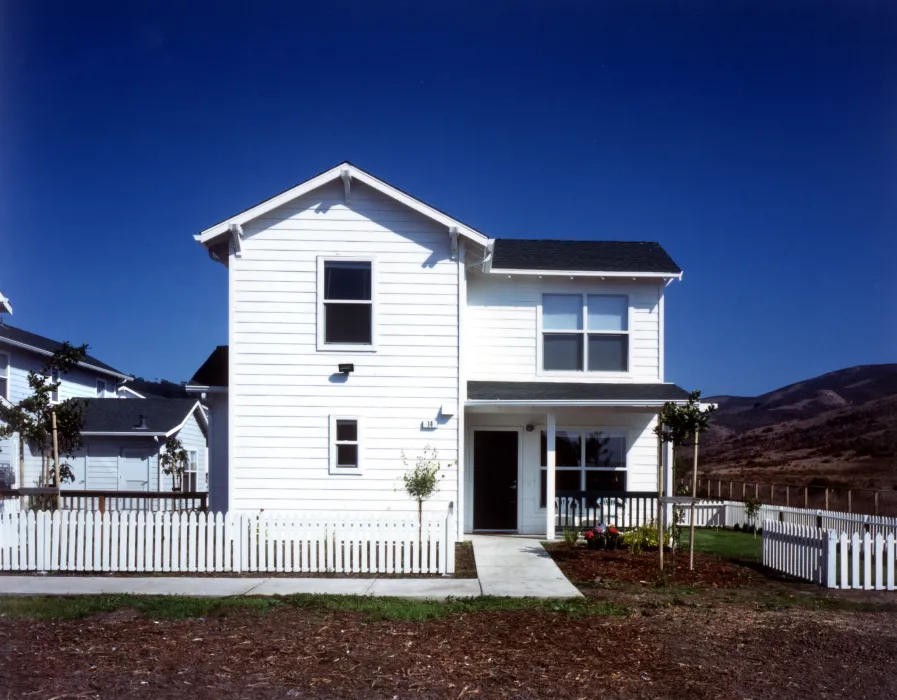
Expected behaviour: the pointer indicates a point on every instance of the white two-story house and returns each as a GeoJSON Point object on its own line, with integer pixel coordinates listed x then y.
{"type": "Point", "coordinates": [366, 324]}
{"type": "Point", "coordinates": [122, 440]}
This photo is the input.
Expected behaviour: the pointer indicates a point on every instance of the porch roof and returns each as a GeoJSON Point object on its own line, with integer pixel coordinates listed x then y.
{"type": "Point", "coordinates": [481, 393]}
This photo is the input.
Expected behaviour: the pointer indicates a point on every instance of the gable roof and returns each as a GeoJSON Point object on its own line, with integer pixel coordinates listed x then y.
{"type": "Point", "coordinates": [578, 393]}
{"type": "Point", "coordinates": [45, 346]}
{"type": "Point", "coordinates": [353, 173]}
{"type": "Point", "coordinates": [213, 371]}
{"type": "Point", "coordinates": [613, 258]}
{"type": "Point", "coordinates": [121, 417]}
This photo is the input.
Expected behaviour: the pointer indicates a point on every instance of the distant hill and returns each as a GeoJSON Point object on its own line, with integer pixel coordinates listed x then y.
{"type": "Point", "coordinates": [162, 389]}
{"type": "Point", "coordinates": [838, 429]}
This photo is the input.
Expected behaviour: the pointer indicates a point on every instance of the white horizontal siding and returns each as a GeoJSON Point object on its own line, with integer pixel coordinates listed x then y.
{"type": "Point", "coordinates": [283, 389]}
{"type": "Point", "coordinates": [502, 327]}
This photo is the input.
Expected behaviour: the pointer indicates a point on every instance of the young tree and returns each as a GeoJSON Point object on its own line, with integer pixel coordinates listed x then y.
{"type": "Point", "coordinates": [174, 461]}
{"type": "Point", "coordinates": [679, 425]}
{"type": "Point", "coordinates": [422, 482]}
{"type": "Point", "coordinates": [39, 420]}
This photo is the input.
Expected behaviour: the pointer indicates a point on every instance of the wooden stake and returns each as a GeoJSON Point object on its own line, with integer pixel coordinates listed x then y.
{"type": "Point", "coordinates": [694, 493]}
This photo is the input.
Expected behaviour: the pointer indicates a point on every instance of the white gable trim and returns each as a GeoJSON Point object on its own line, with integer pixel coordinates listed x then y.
{"type": "Point", "coordinates": [130, 391]}
{"type": "Point", "coordinates": [347, 172]}
{"type": "Point", "coordinates": [47, 353]}
{"type": "Point", "coordinates": [204, 421]}
{"type": "Point", "coordinates": [5, 306]}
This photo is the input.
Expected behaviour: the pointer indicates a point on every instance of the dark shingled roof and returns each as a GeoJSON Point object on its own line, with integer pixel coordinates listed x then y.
{"type": "Point", "coordinates": [17, 335]}
{"type": "Point", "coordinates": [214, 370]}
{"type": "Point", "coordinates": [582, 256]}
{"type": "Point", "coordinates": [569, 391]}
{"type": "Point", "coordinates": [123, 415]}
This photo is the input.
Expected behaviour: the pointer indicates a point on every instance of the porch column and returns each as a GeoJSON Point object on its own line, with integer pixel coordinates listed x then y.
{"type": "Point", "coordinates": [549, 477]}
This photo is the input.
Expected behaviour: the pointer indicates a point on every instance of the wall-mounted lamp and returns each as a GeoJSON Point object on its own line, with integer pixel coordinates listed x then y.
{"type": "Point", "coordinates": [346, 368]}
{"type": "Point", "coordinates": [530, 428]}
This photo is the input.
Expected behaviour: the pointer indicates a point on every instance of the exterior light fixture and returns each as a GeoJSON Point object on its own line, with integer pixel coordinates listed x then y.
{"type": "Point", "coordinates": [346, 368]}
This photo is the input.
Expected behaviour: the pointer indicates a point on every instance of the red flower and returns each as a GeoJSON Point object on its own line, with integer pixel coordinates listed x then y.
{"type": "Point", "coordinates": [588, 534]}
{"type": "Point", "coordinates": [613, 531]}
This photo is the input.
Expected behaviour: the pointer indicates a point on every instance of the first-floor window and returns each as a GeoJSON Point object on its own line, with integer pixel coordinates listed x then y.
{"type": "Point", "coordinates": [4, 375]}
{"type": "Point", "coordinates": [190, 483]}
{"type": "Point", "coordinates": [585, 460]}
{"type": "Point", "coordinates": [345, 445]}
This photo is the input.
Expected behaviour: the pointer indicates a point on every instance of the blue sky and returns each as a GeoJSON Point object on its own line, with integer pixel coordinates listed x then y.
{"type": "Point", "coordinates": [757, 143]}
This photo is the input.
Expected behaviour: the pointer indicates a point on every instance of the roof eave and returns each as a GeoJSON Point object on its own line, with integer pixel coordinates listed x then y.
{"type": "Point", "coordinates": [207, 236]}
{"type": "Point", "coordinates": [587, 273]}
{"type": "Point", "coordinates": [202, 389]}
{"type": "Point", "coordinates": [560, 403]}
{"type": "Point", "coordinates": [47, 353]}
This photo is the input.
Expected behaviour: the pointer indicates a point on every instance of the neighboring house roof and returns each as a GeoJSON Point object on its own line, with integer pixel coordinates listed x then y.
{"type": "Point", "coordinates": [618, 393]}
{"type": "Point", "coordinates": [621, 257]}
{"type": "Point", "coordinates": [162, 417]}
{"type": "Point", "coordinates": [213, 371]}
{"type": "Point", "coordinates": [45, 346]}
{"type": "Point", "coordinates": [349, 173]}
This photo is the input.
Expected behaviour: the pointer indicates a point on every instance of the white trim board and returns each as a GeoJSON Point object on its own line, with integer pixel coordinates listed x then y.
{"type": "Point", "coordinates": [343, 171]}
{"type": "Point", "coordinates": [47, 353]}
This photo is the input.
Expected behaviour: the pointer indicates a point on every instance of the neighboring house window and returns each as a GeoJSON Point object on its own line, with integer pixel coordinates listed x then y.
{"type": "Point", "coordinates": [190, 482]}
{"type": "Point", "coordinates": [54, 379]}
{"type": "Point", "coordinates": [345, 445]}
{"type": "Point", "coordinates": [4, 375]}
{"type": "Point", "coordinates": [101, 388]}
{"type": "Point", "coordinates": [585, 460]}
{"type": "Point", "coordinates": [345, 304]}
{"type": "Point", "coordinates": [585, 332]}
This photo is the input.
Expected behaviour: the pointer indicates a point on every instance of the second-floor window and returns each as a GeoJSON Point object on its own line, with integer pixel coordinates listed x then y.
{"type": "Point", "coordinates": [4, 375]}
{"type": "Point", "coordinates": [101, 388]}
{"type": "Point", "coordinates": [585, 333]}
{"type": "Point", "coordinates": [54, 379]}
{"type": "Point", "coordinates": [346, 304]}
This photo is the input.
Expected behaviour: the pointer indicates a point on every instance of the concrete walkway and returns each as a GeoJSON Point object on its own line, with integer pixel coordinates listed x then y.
{"type": "Point", "coordinates": [431, 589]}
{"type": "Point", "coordinates": [518, 567]}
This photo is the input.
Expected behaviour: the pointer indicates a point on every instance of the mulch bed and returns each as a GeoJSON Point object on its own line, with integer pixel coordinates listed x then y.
{"type": "Point", "coordinates": [294, 653]}
{"type": "Point", "coordinates": [589, 567]}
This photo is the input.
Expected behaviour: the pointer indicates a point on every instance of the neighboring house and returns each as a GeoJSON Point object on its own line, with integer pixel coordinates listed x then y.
{"type": "Point", "coordinates": [117, 453]}
{"type": "Point", "coordinates": [365, 324]}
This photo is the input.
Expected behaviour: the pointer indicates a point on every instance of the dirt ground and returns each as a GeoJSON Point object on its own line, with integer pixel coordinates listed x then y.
{"type": "Point", "coordinates": [673, 652]}
{"type": "Point", "coordinates": [584, 567]}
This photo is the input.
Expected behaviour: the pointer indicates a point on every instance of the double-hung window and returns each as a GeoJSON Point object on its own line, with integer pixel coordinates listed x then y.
{"type": "Point", "coordinates": [190, 483]}
{"type": "Point", "coordinates": [54, 379]}
{"type": "Point", "coordinates": [101, 389]}
{"type": "Point", "coordinates": [4, 375]}
{"type": "Point", "coordinates": [585, 460]}
{"type": "Point", "coordinates": [345, 304]}
{"type": "Point", "coordinates": [585, 333]}
{"type": "Point", "coordinates": [345, 445]}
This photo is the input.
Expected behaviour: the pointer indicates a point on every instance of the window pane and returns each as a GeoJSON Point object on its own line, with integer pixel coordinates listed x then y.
{"type": "Point", "coordinates": [4, 365]}
{"type": "Point", "coordinates": [347, 323]}
{"type": "Point", "coordinates": [608, 313]}
{"type": "Point", "coordinates": [608, 353]}
{"type": "Point", "coordinates": [562, 312]}
{"type": "Point", "coordinates": [604, 451]}
{"type": "Point", "coordinates": [562, 352]}
{"type": "Point", "coordinates": [563, 481]}
{"type": "Point", "coordinates": [605, 481]}
{"type": "Point", "coordinates": [566, 449]}
{"type": "Point", "coordinates": [3, 386]}
{"type": "Point", "coordinates": [347, 455]}
{"type": "Point", "coordinates": [347, 280]}
{"type": "Point", "coordinates": [347, 430]}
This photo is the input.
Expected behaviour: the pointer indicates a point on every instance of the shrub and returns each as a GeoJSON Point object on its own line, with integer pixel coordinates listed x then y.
{"type": "Point", "coordinates": [571, 535]}
{"type": "Point", "coordinates": [737, 527]}
{"type": "Point", "coordinates": [641, 537]}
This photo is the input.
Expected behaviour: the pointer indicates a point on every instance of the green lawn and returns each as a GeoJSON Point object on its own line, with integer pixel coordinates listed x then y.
{"type": "Point", "coordinates": [726, 543]}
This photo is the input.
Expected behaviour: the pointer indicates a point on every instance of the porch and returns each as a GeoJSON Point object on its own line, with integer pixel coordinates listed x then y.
{"type": "Point", "coordinates": [537, 461]}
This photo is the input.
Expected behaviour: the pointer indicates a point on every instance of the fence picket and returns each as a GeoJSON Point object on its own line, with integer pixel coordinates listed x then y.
{"type": "Point", "coordinates": [879, 569]}
{"type": "Point", "coordinates": [867, 562]}
{"type": "Point", "coordinates": [141, 539]}
{"type": "Point", "coordinates": [889, 559]}
{"type": "Point", "coordinates": [855, 560]}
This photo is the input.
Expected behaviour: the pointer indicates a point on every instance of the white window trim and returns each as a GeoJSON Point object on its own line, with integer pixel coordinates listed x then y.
{"type": "Point", "coordinates": [105, 388]}
{"type": "Point", "coordinates": [8, 371]}
{"type": "Point", "coordinates": [332, 443]}
{"type": "Point", "coordinates": [540, 345]}
{"type": "Point", "coordinates": [346, 347]}
{"type": "Point", "coordinates": [53, 380]}
{"type": "Point", "coordinates": [607, 431]}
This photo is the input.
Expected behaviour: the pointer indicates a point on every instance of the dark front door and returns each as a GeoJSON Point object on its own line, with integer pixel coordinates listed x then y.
{"type": "Point", "coordinates": [494, 480]}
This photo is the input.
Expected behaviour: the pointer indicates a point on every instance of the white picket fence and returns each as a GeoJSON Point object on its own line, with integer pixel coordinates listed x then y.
{"type": "Point", "coordinates": [830, 558]}
{"type": "Point", "coordinates": [269, 542]}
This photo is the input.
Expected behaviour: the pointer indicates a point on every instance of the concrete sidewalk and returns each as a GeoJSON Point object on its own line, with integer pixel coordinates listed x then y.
{"type": "Point", "coordinates": [518, 567]}
{"type": "Point", "coordinates": [430, 589]}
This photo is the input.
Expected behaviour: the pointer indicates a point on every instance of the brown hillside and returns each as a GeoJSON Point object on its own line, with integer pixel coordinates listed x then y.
{"type": "Point", "coordinates": [839, 429]}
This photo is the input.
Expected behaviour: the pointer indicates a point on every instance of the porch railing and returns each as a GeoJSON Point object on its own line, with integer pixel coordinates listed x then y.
{"type": "Point", "coordinates": [112, 501]}
{"type": "Point", "coordinates": [621, 509]}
